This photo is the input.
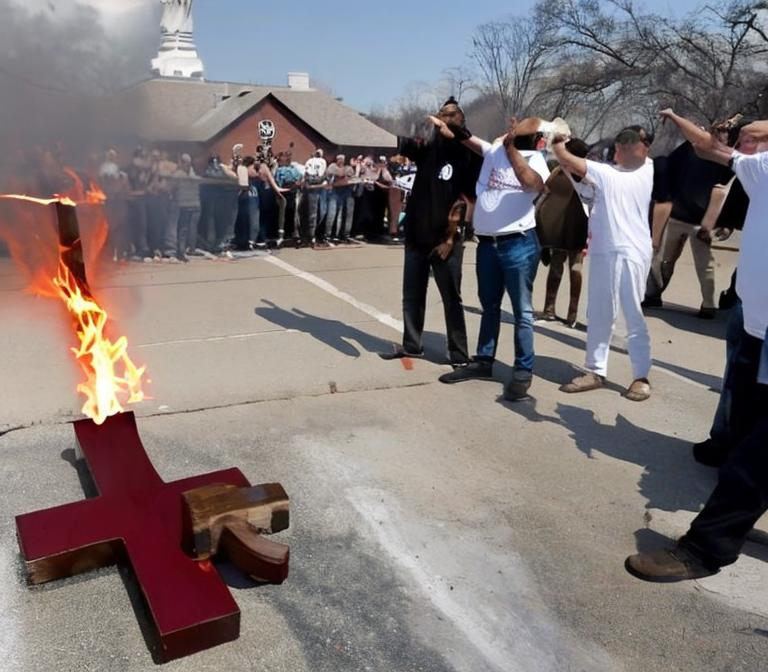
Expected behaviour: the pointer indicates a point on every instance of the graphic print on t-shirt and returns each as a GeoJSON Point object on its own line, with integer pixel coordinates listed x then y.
{"type": "Point", "coordinates": [446, 173]}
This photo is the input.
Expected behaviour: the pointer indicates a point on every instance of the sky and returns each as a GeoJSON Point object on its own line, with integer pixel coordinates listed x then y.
{"type": "Point", "coordinates": [366, 52]}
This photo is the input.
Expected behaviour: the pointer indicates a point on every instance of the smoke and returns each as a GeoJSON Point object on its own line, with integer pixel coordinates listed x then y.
{"type": "Point", "coordinates": [60, 60]}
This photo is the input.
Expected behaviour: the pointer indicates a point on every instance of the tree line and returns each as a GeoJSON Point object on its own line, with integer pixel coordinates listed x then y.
{"type": "Point", "coordinates": [602, 64]}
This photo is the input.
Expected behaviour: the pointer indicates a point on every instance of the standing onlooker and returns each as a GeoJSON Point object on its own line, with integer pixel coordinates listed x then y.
{"type": "Point", "coordinates": [116, 187]}
{"type": "Point", "coordinates": [341, 205]}
{"type": "Point", "coordinates": [446, 170]}
{"type": "Point", "coordinates": [315, 193]}
{"type": "Point", "coordinates": [187, 195]}
{"type": "Point", "coordinates": [139, 175]}
{"type": "Point", "coordinates": [561, 217]}
{"type": "Point", "coordinates": [620, 257]}
{"type": "Point", "coordinates": [288, 178]}
{"type": "Point", "coordinates": [511, 179]}
{"type": "Point", "coordinates": [690, 181]}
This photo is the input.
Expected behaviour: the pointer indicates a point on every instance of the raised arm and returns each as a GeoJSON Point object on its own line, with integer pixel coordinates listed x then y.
{"type": "Point", "coordinates": [570, 162]}
{"type": "Point", "coordinates": [527, 176]}
{"type": "Point", "coordinates": [691, 132]}
{"type": "Point", "coordinates": [477, 145]}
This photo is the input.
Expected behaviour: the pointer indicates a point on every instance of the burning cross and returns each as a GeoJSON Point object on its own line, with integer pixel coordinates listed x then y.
{"type": "Point", "coordinates": [138, 519]}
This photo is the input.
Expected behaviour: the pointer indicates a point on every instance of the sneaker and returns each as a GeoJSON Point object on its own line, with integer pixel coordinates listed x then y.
{"type": "Point", "coordinates": [470, 371]}
{"type": "Point", "coordinates": [261, 246]}
{"type": "Point", "coordinates": [399, 353]}
{"type": "Point", "coordinates": [652, 302]}
{"type": "Point", "coordinates": [667, 565]}
{"type": "Point", "coordinates": [639, 390]}
{"type": "Point", "coordinates": [517, 387]}
{"type": "Point", "coordinates": [707, 313]}
{"type": "Point", "coordinates": [710, 453]}
{"type": "Point", "coordinates": [584, 383]}
{"type": "Point", "coordinates": [548, 316]}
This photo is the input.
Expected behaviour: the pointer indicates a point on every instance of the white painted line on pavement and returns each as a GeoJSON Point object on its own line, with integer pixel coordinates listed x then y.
{"type": "Point", "coordinates": [213, 339]}
{"type": "Point", "coordinates": [376, 314]}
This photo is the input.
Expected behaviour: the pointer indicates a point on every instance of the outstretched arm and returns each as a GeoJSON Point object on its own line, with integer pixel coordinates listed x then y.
{"type": "Point", "coordinates": [570, 162]}
{"type": "Point", "coordinates": [465, 137]}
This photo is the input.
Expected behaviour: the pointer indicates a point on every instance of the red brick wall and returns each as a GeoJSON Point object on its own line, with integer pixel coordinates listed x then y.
{"type": "Point", "coordinates": [288, 126]}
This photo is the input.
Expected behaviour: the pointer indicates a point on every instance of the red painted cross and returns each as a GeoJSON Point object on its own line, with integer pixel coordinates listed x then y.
{"type": "Point", "coordinates": [136, 517]}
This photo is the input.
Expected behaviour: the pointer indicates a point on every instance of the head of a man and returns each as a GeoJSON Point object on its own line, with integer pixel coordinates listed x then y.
{"type": "Point", "coordinates": [319, 153]}
{"type": "Point", "coordinates": [631, 146]}
{"type": "Point", "coordinates": [451, 113]}
{"type": "Point", "coordinates": [340, 159]}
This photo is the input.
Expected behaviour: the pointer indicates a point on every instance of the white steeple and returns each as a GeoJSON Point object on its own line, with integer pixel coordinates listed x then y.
{"type": "Point", "coordinates": [178, 55]}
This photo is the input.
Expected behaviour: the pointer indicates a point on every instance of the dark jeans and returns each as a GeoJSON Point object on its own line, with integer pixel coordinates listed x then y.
{"type": "Point", "coordinates": [720, 431]}
{"type": "Point", "coordinates": [247, 220]}
{"type": "Point", "coordinates": [187, 232]}
{"type": "Point", "coordinates": [717, 534]}
{"type": "Point", "coordinates": [509, 264]}
{"type": "Point", "coordinates": [418, 262]}
{"type": "Point", "coordinates": [138, 211]}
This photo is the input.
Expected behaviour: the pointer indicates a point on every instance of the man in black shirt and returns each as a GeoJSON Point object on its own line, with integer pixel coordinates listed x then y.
{"type": "Point", "coordinates": [447, 171]}
{"type": "Point", "coordinates": [689, 182]}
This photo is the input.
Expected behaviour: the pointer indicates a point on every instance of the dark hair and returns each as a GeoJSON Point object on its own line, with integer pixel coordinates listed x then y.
{"type": "Point", "coordinates": [629, 136]}
{"type": "Point", "coordinates": [577, 147]}
{"type": "Point", "coordinates": [643, 135]}
{"type": "Point", "coordinates": [249, 161]}
{"type": "Point", "coordinates": [735, 130]}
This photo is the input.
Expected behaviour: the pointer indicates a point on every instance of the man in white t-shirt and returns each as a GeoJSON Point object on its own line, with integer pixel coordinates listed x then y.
{"type": "Point", "coordinates": [512, 177]}
{"type": "Point", "coordinates": [717, 535]}
{"type": "Point", "coordinates": [620, 254]}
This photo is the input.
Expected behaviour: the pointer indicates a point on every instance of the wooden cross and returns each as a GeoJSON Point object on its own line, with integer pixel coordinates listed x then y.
{"type": "Point", "coordinates": [140, 520]}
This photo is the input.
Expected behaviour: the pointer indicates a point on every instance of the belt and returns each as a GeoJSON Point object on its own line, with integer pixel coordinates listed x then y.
{"type": "Point", "coordinates": [497, 239]}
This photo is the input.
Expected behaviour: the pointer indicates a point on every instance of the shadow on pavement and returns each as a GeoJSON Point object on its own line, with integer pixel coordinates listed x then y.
{"type": "Point", "coordinates": [684, 318]}
{"type": "Point", "coordinates": [671, 480]}
{"type": "Point", "coordinates": [333, 333]}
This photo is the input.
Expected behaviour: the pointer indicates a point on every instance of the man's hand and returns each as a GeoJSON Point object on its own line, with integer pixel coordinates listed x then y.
{"type": "Point", "coordinates": [667, 114]}
{"type": "Point", "coordinates": [757, 129]}
{"type": "Point", "coordinates": [441, 126]}
{"type": "Point", "coordinates": [444, 249]}
{"type": "Point", "coordinates": [704, 235]}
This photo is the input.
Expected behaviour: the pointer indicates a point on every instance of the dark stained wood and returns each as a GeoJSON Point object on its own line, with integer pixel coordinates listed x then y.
{"type": "Point", "coordinates": [71, 250]}
{"type": "Point", "coordinates": [220, 517]}
{"type": "Point", "coordinates": [136, 519]}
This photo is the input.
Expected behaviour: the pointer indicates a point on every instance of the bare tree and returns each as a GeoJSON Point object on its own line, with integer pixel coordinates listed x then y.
{"type": "Point", "coordinates": [511, 56]}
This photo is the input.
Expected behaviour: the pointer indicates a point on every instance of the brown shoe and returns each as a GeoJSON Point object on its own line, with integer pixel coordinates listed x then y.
{"type": "Point", "coordinates": [639, 390]}
{"type": "Point", "coordinates": [667, 565]}
{"type": "Point", "coordinates": [584, 383]}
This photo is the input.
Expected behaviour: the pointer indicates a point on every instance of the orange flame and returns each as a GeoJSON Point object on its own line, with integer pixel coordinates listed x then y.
{"type": "Point", "coordinates": [111, 376]}
{"type": "Point", "coordinates": [97, 355]}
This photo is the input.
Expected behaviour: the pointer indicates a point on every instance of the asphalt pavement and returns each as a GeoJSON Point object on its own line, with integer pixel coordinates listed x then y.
{"type": "Point", "coordinates": [434, 528]}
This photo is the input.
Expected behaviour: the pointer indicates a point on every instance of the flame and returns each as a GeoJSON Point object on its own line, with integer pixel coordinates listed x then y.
{"type": "Point", "coordinates": [40, 201]}
{"type": "Point", "coordinates": [111, 377]}
{"type": "Point", "coordinates": [97, 355]}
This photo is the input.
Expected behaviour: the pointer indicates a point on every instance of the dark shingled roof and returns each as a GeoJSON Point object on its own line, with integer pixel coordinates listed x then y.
{"type": "Point", "coordinates": [187, 110]}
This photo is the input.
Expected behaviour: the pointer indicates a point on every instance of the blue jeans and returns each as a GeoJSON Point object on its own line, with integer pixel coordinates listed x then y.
{"type": "Point", "coordinates": [509, 264]}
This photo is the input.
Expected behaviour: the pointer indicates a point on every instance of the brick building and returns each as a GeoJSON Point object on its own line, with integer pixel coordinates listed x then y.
{"type": "Point", "coordinates": [202, 117]}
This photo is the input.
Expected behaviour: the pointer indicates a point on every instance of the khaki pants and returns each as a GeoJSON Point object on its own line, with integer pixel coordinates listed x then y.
{"type": "Point", "coordinates": [663, 264]}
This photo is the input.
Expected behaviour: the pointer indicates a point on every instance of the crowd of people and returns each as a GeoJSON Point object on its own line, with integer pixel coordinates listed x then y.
{"type": "Point", "coordinates": [638, 213]}
{"type": "Point", "coordinates": [162, 208]}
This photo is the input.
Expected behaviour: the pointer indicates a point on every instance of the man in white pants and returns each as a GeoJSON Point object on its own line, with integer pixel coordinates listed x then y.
{"type": "Point", "coordinates": [620, 253]}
